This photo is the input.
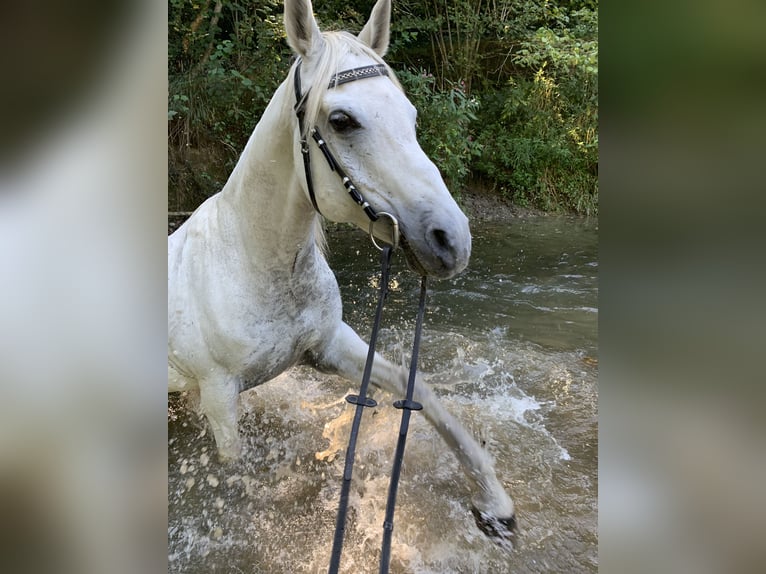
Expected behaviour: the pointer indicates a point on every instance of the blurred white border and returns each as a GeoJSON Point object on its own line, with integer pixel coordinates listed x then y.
{"type": "Point", "coordinates": [82, 309]}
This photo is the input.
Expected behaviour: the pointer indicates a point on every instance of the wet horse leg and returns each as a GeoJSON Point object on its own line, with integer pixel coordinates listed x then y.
{"type": "Point", "coordinates": [346, 355]}
{"type": "Point", "coordinates": [218, 401]}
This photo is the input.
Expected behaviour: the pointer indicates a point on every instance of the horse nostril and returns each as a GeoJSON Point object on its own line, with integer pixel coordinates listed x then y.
{"type": "Point", "coordinates": [441, 238]}
{"type": "Point", "coordinates": [442, 251]}
{"type": "Point", "coordinates": [443, 247]}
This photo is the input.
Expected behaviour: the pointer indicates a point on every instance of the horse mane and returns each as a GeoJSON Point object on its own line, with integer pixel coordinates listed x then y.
{"type": "Point", "coordinates": [336, 46]}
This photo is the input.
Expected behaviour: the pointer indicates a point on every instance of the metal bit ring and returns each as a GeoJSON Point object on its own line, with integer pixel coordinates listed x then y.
{"type": "Point", "coordinates": [394, 234]}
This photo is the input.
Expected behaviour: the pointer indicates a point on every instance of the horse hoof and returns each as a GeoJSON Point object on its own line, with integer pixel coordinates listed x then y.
{"type": "Point", "coordinates": [499, 529]}
{"type": "Point", "coordinates": [230, 454]}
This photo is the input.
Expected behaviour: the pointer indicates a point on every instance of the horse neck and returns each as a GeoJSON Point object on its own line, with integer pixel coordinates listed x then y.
{"type": "Point", "coordinates": [274, 217]}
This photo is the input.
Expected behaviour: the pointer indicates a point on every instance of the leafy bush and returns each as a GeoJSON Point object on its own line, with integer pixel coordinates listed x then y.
{"type": "Point", "coordinates": [540, 145]}
{"type": "Point", "coordinates": [445, 119]}
{"type": "Point", "coordinates": [226, 59]}
{"type": "Point", "coordinates": [538, 153]}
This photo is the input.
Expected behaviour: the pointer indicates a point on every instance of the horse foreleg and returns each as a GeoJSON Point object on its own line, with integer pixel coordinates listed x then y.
{"type": "Point", "coordinates": [346, 354]}
{"type": "Point", "coordinates": [218, 402]}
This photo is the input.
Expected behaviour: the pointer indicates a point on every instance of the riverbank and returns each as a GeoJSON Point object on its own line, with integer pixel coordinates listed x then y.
{"type": "Point", "coordinates": [480, 204]}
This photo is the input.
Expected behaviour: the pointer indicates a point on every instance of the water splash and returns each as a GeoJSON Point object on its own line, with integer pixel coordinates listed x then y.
{"type": "Point", "coordinates": [523, 381]}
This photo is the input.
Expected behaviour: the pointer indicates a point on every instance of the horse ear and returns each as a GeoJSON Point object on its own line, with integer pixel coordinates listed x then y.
{"type": "Point", "coordinates": [303, 34]}
{"type": "Point", "coordinates": [376, 32]}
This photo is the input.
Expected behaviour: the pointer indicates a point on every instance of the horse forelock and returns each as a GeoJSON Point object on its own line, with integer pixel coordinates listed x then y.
{"type": "Point", "coordinates": [327, 62]}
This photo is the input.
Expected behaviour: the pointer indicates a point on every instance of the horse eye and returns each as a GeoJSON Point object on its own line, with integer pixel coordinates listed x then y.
{"type": "Point", "coordinates": [342, 122]}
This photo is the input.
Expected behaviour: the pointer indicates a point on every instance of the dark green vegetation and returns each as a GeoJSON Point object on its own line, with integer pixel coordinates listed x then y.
{"type": "Point", "coordinates": [507, 90]}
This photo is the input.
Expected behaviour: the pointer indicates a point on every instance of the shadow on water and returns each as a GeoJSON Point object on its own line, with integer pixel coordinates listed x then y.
{"type": "Point", "coordinates": [510, 345]}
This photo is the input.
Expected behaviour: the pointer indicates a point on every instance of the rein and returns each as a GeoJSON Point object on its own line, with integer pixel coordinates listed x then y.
{"type": "Point", "coordinates": [407, 405]}
{"type": "Point", "coordinates": [362, 401]}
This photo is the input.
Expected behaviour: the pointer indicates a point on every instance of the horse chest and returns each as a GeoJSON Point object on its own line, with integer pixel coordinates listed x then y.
{"type": "Point", "coordinates": [283, 330]}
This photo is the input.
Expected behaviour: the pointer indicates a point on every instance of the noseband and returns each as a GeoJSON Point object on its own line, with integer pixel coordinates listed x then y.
{"type": "Point", "coordinates": [300, 101]}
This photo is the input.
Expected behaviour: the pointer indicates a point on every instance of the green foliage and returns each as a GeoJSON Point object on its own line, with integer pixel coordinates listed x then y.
{"type": "Point", "coordinates": [226, 58]}
{"type": "Point", "coordinates": [505, 89]}
{"type": "Point", "coordinates": [445, 119]}
{"type": "Point", "coordinates": [541, 141]}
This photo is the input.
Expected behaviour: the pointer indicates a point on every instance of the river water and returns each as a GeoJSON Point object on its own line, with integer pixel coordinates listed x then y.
{"type": "Point", "coordinates": [511, 348]}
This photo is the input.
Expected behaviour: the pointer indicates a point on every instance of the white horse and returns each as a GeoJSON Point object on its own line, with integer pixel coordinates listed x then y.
{"type": "Point", "coordinates": [250, 293]}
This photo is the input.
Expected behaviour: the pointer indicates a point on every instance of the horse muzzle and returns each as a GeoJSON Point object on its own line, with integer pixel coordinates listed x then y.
{"type": "Point", "coordinates": [439, 252]}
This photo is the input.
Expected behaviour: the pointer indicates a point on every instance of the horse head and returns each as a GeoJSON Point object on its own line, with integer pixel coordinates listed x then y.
{"type": "Point", "coordinates": [369, 129]}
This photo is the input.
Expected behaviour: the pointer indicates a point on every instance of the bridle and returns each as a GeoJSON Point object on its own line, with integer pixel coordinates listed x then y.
{"type": "Point", "coordinates": [300, 102]}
